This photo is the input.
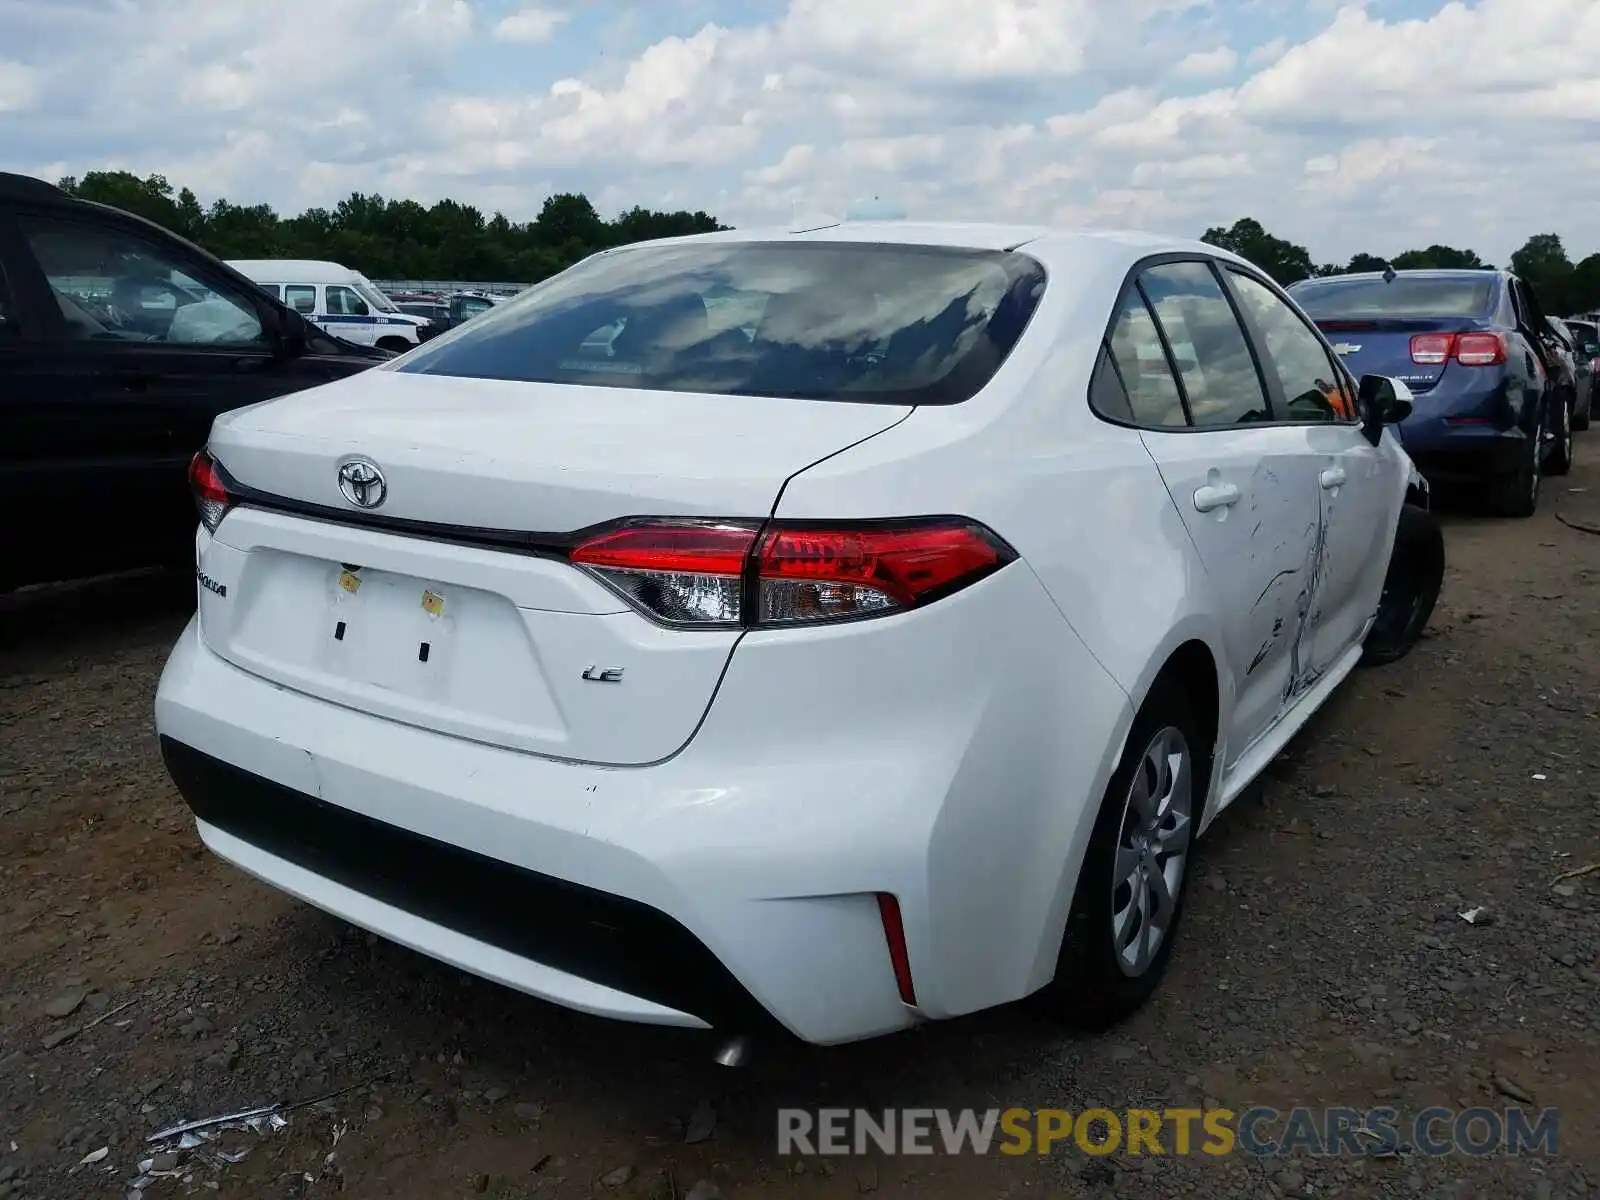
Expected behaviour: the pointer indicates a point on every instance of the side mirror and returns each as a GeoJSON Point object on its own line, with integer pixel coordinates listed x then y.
{"type": "Point", "coordinates": [1381, 401]}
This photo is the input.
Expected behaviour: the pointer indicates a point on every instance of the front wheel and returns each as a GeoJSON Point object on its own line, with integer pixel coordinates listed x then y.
{"type": "Point", "coordinates": [1580, 414]}
{"type": "Point", "coordinates": [1130, 890]}
{"type": "Point", "coordinates": [1410, 587]}
{"type": "Point", "coordinates": [398, 345]}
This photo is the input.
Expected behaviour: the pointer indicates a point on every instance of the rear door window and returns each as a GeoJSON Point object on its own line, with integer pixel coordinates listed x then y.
{"type": "Point", "coordinates": [1207, 344]}
{"type": "Point", "coordinates": [887, 324]}
{"type": "Point", "coordinates": [302, 297]}
{"type": "Point", "coordinates": [1153, 397]}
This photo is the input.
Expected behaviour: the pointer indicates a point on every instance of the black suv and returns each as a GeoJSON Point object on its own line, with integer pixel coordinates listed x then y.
{"type": "Point", "coordinates": [119, 344]}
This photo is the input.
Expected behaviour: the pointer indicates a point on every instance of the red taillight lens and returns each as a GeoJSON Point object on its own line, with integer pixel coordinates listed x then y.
{"type": "Point", "coordinates": [1480, 349]}
{"type": "Point", "coordinates": [1468, 349]}
{"type": "Point", "coordinates": [683, 574]}
{"type": "Point", "coordinates": [210, 495]}
{"type": "Point", "coordinates": [702, 575]}
{"type": "Point", "coordinates": [1431, 349]}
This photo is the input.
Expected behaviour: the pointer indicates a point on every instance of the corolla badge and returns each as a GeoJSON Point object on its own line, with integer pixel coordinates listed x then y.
{"type": "Point", "coordinates": [362, 483]}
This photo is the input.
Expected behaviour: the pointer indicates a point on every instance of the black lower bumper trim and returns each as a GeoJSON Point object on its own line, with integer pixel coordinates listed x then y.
{"type": "Point", "coordinates": [609, 940]}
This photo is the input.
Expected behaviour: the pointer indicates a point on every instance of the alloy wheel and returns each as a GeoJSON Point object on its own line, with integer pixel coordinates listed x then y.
{"type": "Point", "coordinates": [1152, 850]}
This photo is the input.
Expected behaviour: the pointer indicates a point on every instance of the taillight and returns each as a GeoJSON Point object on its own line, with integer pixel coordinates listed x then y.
{"type": "Point", "coordinates": [210, 495]}
{"type": "Point", "coordinates": [708, 575]}
{"type": "Point", "coordinates": [1430, 349]}
{"type": "Point", "coordinates": [1468, 349]}
{"type": "Point", "coordinates": [1480, 349]}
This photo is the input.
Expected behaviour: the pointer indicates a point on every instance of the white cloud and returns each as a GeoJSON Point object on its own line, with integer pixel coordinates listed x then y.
{"type": "Point", "coordinates": [1205, 64]}
{"type": "Point", "coordinates": [530, 25]}
{"type": "Point", "coordinates": [19, 86]}
{"type": "Point", "coordinates": [1367, 134]}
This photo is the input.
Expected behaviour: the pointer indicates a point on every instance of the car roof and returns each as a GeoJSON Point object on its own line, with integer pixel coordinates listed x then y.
{"type": "Point", "coordinates": [26, 187]}
{"type": "Point", "coordinates": [1053, 244]}
{"type": "Point", "coordinates": [293, 270]}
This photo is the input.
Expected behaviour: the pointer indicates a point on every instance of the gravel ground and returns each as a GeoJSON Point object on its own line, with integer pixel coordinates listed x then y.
{"type": "Point", "coordinates": [1324, 961]}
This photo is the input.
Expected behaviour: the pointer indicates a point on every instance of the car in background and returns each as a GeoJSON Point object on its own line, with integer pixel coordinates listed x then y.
{"type": "Point", "coordinates": [336, 299]}
{"type": "Point", "coordinates": [869, 655]}
{"type": "Point", "coordinates": [120, 342]}
{"type": "Point", "coordinates": [447, 313]}
{"type": "Point", "coordinates": [1586, 338]}
{"type": "Point", "coordinates": [434, 313]}
{"type": "Point", "coordinates": [1491, 403]}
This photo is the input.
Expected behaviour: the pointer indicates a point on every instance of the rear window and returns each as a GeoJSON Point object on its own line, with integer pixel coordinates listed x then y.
{"type": "Point", "coordinates": [885, 324]}
{"type": "Point", "coordinates": [1406, 296]}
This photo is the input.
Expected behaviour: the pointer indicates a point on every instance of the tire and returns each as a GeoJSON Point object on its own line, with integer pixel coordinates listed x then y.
{"type": "Point", "coordinates": [1580, 415]}
{"type": "Point", "coordinates": [1092, 989]}
{"type": "Point", "coordinates": [1517, 494]}
{"type": "Point", "coordinates": [1560, 460]}
{"type": "Point", "coordinates": [1410, 588]}
{"type": "Point", "coordinates": [398, 345]}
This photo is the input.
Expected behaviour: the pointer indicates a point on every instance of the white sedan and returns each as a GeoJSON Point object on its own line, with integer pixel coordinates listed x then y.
{"type": "Point", "coordinates": [823, 632]}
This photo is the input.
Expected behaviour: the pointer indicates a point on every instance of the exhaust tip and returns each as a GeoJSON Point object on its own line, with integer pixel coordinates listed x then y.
{"type": "Point", "coordinates": [734, 1052]}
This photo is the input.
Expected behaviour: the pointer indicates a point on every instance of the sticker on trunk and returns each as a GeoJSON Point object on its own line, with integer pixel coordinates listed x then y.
{"type": "Point", "coordinates": [432, 603]}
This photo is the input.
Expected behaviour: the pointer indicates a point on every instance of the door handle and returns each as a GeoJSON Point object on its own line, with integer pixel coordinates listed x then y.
{"type": "Point", "coordinates": [1216, 495]}
{"type": "Point", "coordinates": [1333, 477]}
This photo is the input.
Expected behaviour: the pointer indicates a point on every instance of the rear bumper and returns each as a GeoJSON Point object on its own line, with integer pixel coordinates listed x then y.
{"type": "Point", "coordinates": [733, 885]}
{"type": "Point", "coordinates": [1443, 451]}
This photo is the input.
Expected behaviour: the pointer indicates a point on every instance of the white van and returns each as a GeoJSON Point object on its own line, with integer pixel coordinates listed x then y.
{"type": "Point", "coordinates": [337, 300]}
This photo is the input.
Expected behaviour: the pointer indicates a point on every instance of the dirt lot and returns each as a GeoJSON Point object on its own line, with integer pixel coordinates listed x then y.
{"type": "Point", "coordinates": [1324, 961]}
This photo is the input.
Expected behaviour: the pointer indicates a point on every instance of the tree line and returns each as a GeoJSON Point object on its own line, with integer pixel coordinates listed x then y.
{"type": "Point", "coordinates": [392, 239]}
{"type": "Point", "coordinates": [402, 239]}
{"type": "Point", "coordinates": [1563, 287]}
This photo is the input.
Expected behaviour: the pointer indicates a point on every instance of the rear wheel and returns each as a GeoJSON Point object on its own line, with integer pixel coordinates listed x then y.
{"type": "Point", "coordinates": [1517, 494]}
{"type": "Point", "coordinates": [1410, 588]}
{"type": "Point", "coordinates": [1580, 414]}
{"type": "Point", "coordinates": [1130, 891]}
{"type": "Point", "coordinates": [398, 345]}
{"type": "Point", "coordinates": [1560, 460]}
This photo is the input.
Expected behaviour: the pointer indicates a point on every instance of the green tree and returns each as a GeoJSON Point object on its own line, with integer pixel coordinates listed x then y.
{"type": "Point", "coordinates": [1438, 258]}
{"type": "Point", "coordinates": [1284, 261]}
{"type": "Point", "coordinates": [1543, 262]}
{"type": "Point", "coordinates": [1361, 264]}
{"type": "Point", "coordinates": [1585, 295]}
{"type": "Point", "coordinates": [390, 239]}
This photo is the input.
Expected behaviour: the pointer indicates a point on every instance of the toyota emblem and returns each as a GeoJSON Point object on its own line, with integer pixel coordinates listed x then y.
{"type": "Point", "coordinates": [362, 483]}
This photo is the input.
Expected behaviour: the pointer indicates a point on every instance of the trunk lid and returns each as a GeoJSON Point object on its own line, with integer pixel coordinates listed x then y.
{"type": "Point", "coordinates": [516, 649]}
{"type": "Point", "coordinates": [1382, 346]}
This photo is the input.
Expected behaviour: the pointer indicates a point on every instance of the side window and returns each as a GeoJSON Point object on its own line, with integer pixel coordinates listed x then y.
{"type": "Point", "coordinates": [1151, 393]}
{"type": "Point", "coordinates": [1220, 380]}
{"type": "Point", "coordinates": [1313, 386]}
{"type": "Point", "coordinates": [272, 290]}
{"type": "Point", "coordinates": [1107, 396]}
{"type": "Point", "coordinates": [10, 319]}
{"type": "Point", "coordinates": [113, 286]}
{"type": "Point", "coordinates": [345, 302]}
{"type": "Point", "coordinates": [302, 297]}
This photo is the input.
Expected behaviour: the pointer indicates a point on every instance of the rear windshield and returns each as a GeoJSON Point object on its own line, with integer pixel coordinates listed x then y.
{"type": "Point", "coordinates": [1406, 296]}
{"type": "Point", "coordinates": [886, 324]}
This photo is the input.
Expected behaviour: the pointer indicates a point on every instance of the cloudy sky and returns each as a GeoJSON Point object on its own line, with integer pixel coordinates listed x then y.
{"type": "Point", "coordinates": [1343, 125]}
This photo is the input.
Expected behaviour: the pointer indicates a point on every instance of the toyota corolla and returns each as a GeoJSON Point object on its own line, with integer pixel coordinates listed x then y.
{"type": "Point", "coordinates": [817, 632]}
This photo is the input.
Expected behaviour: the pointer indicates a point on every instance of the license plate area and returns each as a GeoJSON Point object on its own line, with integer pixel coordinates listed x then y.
{"type": "Point", "coordinates": [391, 631]}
